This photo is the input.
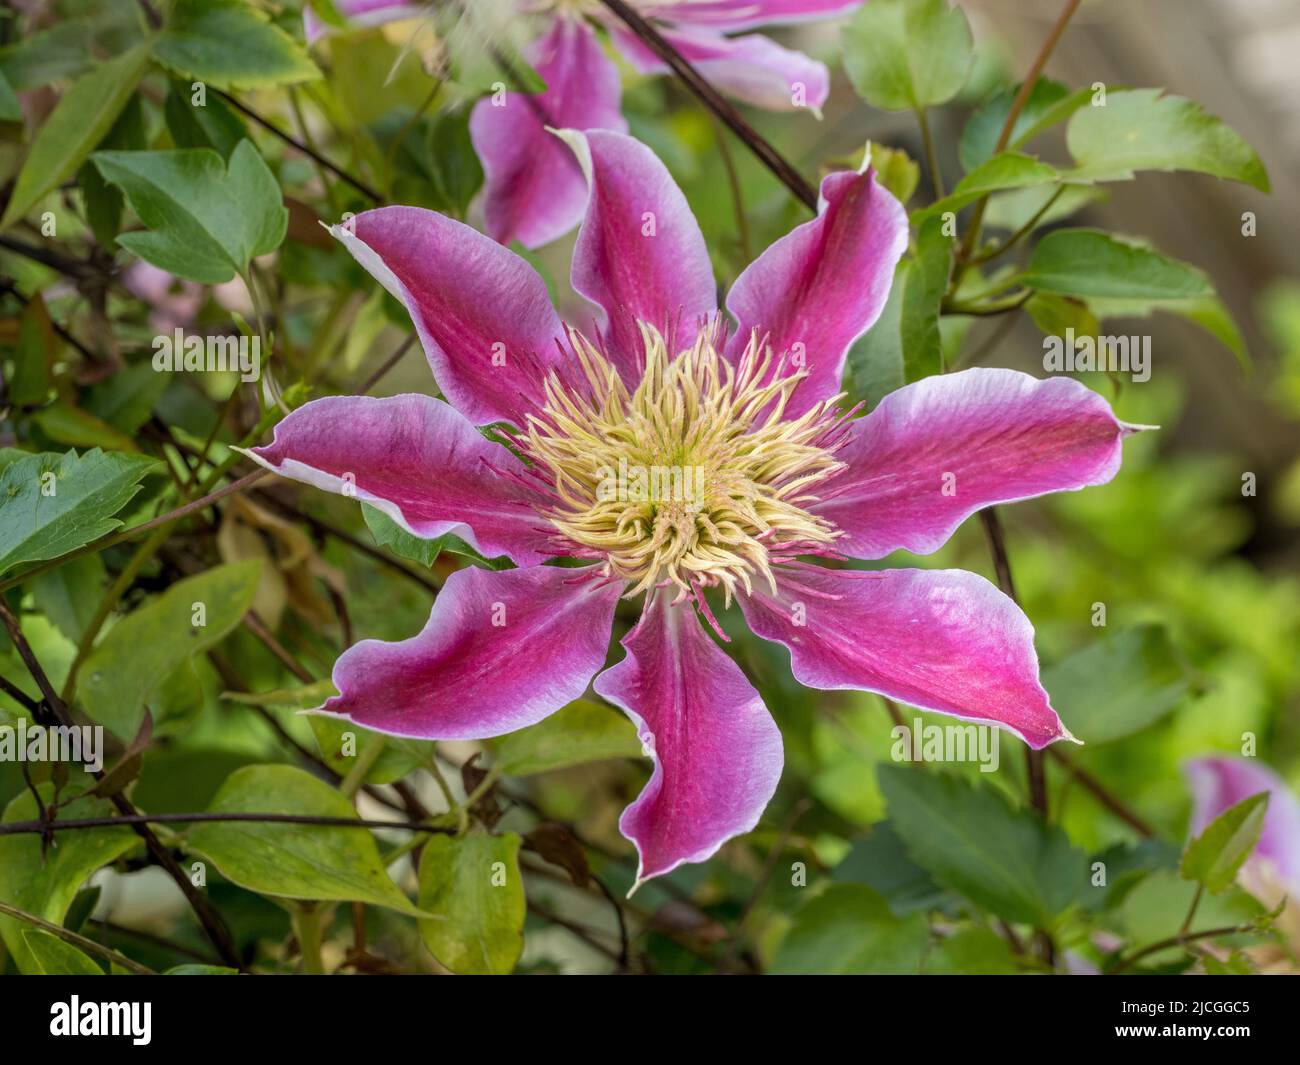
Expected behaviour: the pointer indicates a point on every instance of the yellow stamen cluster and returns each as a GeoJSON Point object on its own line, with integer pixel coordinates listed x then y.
{"type": "Point", "coordinates": [694, 478]}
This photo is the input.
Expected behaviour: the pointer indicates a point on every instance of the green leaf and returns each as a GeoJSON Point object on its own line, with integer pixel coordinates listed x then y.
{"type": "Point", "coordinates": [308, 697]}
{"type": "Point", "coordinates": [340, 750]}
{"type": "Point", "coordinates": [103, 202]}
{"type": "Point", "coordinates": [132, 663]}
{"type": "Point", "coordinates": [10, 109]}
{"type": "Point", "coordinates": [83, 115]}
{"type": "Point", "coordinates": [1009, 170]}
{"type": "Point", "coordinates": [881, 862]}
{"type": "Point", "coordinates": [48, 955]}
{"type": "Point", "coordinates": [849, 930]}
{"type": "Point", "coordinates": [580, 732]}
{"type": "Point", "coordinates": [232, 45]}
{"type": "Point", "coordinates": [69, 594]}
{"type": "Point", "coordinates": [970, 839]}
{"type": "Point", "coordinates": [473, 888]}
{"type": "Point", "coordinates": [1048, 102]}
{"type": "Point", "coordinates": [206, 220]}
{"type": "Point", "coordinates": [294, 861]}
{"type": "Point", "coordinates": [45, 884]}
{"type": "Point", "coordinates": [389, 534]}
{"type": "Point", "coordinates": [1139, 129]}
{"type": "Point", "coordinates": [875, 362]}
{"type": "Point", "coordinates": [923, 291]}
{"type": "Point", "coordinates": [1214, 857]}
{"type": "Point", "coordinates": [126, 399]}
{"type": "Point", "coordinates": [65, 424]}
{"type": "Point", "coordinates": [1208, 312]}
{"type": "Point", "coordinates": [200, 970]}
{"type": "Point", "coordinates": [1119, 684]}
{"type": "Point", "coordinates": [34, 355]}
{"type": "Point", "coordinates": [905, 54]}
{"type": "Point", "coordinates": [1018, 207]}
{"type": "Point", "coordinates": [895, 170]}
{"type": "Point", "coordinates": [1089, 262]}
{"type": "Point", "coordinates": [972, 952]}
{"type": "Point", "coordinates": [1054, 315]}
{"type": "Point", "coordinates": [52, 504]}
{"type": "Point", "coordinates": [211, 124]}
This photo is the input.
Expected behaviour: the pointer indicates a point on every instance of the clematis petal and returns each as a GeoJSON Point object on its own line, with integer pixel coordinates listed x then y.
{"type": "Point", "coordinates": [414, 458]}
{"type": "Point", "coordinates": [482, 313]}
{"type": "Point", "coordinates": [752, 68]}
{"type": "Point", "coordinates": [717, 752]}
{"type": "Point", "coordinates": [739, 14]}
{"type": "Point", "coordinates": [501, 650]}
{"type": "Point", "coordinates": [359, 13]}
{"type": "Point", "coordinates": [1220, 782]}
{"type": "Point", "coordinates": [944, 640]}
{"type": "Point", "coordinates": [814, 291]}
{"type": "Point", "coordinates": [640, 255]}
{"type": "Point", "coordinates": [934, 452]}
{"type": "Point", "coordinates": [534, 189]}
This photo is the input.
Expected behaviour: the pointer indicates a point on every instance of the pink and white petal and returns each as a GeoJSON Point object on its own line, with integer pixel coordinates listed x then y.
{"type": "Point", "coordinates": [640, 255]}
{"type": "Point", "coordinates": [934, 452]}
{"type": "Point", "coordinates": [814, 291]}
{"type": "Point", "coordinates": [482, 313]}
{"type": "Point", "coordinates": [740, 14]}
{"type": "Point", "coordinates": [752, 68]}
{"type": "Point", "coordinates": [1220, 782]}
{"type": "Point", "coordinates": [502, 650]}
{"type": "Point", "coordinates": [717, 752]}
{"type": "Point", "coordinates": [360, 14]}
{"type": "Point", "coordinates": [944, 640]}
{"type": "Point", "coordinates": [534, 189]}
{"type": "Point", "coordinates": [417, 460]}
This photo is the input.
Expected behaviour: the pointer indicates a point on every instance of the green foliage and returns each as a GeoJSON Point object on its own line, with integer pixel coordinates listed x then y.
{"type": "Point", "coordinates": [904, 55]}
{"type": "Point", "coordinates": [137, 656]}
{"type": "Point", "coordinates": [1118, 685]}
{"type": "Point", "coordinates": [1141, 129]}
{"type": "Point", "coordinates": [53, 504]}
{"type": "Point", "coordinates": [472, 888]}
{"type": "Point", "coordinates": [1089, 262]}
{"type": "Point", "coordinates": [973, 841]}
{"type": "Point", "coordinates": [289, 860]}
{"type": "Point", "coordinates": [231, 45]}
{"type": "Point", "coordinates": [923, 290]}
{"type": "Point", "coordinates": [206, 220]}
{"type": "Point", "coordinates": [1216, 855]}
{"type": "Point", "coordinates": [45, 883]}
{"type": "Point", "coordinates": [849, 930]}
{"type": "Point", "coordinates": [85, 113]}
{"type": "Point", "coordinates": [581, 732]}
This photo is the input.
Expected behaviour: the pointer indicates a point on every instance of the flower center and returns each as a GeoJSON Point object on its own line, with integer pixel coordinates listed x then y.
{"type": "Point", "coordinates": [695, 479]}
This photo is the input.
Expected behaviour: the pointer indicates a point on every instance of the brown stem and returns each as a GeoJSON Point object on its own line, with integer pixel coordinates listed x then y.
{"type": "Point", "coordinates": [293, 142]}
{"type": "Point", "coordinates": [213, 924]}
{"type": "Point", "coordinates": [1098, 791]}
{"type": "Point", "coordinates": [1017, 106]}
{"type": "Point", "coordinates": [1180, 940]}
{"type": "Point", "coordinates": [715, 102]}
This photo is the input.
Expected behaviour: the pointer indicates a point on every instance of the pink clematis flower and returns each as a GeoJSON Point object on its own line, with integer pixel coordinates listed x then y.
{"type": "Point", "coordinates": [781, 482]}
{"type": "Point", "coordinates": [533, 192]}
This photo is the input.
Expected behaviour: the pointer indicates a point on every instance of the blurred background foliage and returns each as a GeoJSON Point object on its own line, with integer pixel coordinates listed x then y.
{"type": "Point", "coordinates": [1198, 579]}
